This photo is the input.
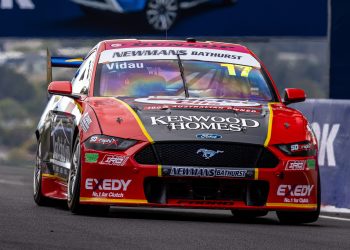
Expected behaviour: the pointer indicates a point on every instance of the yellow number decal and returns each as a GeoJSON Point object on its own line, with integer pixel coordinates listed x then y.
{"type": "Point", "coordinates": [232, 71]}
{"type": "Point", "coordinates": [230, 68]}
{"type": "Point", "coordinates": [245, 71]}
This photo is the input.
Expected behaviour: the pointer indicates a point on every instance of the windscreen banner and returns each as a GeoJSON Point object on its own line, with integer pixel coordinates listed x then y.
{"type": "Point", "coordinates": [120, 18]}
{"type": "Point", "coordinates": [330, 121]}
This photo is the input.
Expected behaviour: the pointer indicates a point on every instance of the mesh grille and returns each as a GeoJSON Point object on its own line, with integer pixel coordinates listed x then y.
{"type": "Point", "coordinates": [194, 154]}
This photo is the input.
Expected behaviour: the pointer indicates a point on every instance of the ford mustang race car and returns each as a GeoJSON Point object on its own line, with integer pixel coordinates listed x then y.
{"type": "Point", "coordinates": [182, 124]}
{"type": "Point", "coordinates": [160, 14]}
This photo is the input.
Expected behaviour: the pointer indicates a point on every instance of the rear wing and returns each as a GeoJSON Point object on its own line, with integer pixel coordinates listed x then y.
{"type": "Point", "coordinates": [61, 62]}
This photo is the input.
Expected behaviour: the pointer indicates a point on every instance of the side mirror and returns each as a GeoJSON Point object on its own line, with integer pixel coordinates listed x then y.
{"type": "Point", "coordinates": [63, 88]}
{"type": "Point", "coordinates": [293, 96]}
{"type": "Point", "coordinates": [60, 88]}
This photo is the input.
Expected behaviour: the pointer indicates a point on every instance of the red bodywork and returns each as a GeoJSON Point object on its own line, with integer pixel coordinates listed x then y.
{"type": "Point", "coordinates": [292, 185]}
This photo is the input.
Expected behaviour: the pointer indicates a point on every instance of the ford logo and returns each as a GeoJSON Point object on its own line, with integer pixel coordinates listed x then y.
{"type": "Point", "coordinates": [208, 136]}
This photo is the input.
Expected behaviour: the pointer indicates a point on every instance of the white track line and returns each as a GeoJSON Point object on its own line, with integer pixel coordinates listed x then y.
{"type": "Point", "coordinates": [334, 218]}
{"type": "Point", "coordinates": [17, 183]}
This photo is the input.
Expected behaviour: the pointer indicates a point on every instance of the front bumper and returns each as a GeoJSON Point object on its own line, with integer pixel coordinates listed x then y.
{"type": "Point", "coordinates": [115, 178]}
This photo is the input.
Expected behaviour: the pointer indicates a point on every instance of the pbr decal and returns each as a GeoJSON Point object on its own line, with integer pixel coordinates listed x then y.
{"type": "Point", "coordinates": [204, 123]}
{"type": "Point", "coordinates": [207, 172]}
{"type": "Point", "coordinates": [114, 160]}
{"type": "Point", "coordinates": [295, 165]}
{"type": "Point", "coordinates": [197, 101]}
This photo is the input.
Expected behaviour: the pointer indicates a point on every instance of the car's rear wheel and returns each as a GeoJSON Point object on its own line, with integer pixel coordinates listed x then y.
{"type": "Point", "coordinates": [73, 192]}
{"type": "Point", "coordinates": [161, 14]}
{"type": "Point", "coordinates": [39, 198]}
{"type": "Point", "coordinates": [241, 214]}
{"type": "Point", "coordinates": [286, 217]}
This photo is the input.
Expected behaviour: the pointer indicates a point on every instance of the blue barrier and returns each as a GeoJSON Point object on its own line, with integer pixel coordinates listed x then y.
{"type": "Point", "coordinates": [330, 121]}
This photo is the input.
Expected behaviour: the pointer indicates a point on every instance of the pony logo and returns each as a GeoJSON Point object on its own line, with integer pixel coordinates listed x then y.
{"type": "Point", "coordinates": [207, 153]}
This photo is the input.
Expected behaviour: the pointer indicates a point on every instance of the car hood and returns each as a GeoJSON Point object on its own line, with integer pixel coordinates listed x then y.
{"type": "Point", "coordinates": [185, 119]}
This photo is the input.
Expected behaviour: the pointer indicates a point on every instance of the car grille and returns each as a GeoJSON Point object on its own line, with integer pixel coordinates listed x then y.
{"type": "Point", "coordinates": [160, 190]}
{"type": "Point", "coordinates": [235, 155]}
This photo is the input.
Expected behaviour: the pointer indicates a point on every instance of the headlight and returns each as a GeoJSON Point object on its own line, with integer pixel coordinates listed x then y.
{"type": "Point", "coordinates": [305, 148]}
{"type": "Point", "coordinates": [106, 143]}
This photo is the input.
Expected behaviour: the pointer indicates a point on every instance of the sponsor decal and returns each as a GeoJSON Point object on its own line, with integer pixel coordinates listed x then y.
{"type": "Point", "coordinates": [91, 157]}
{"type": "Point", "coordinates": [241, 110]}
{"type": "Point", "coordinates": [211, 102]}
{"type": "Point", "coordinates": [124, 65]}
{"type": "Point", "coordinates": [204, 123]}
{"type": "Point", "coordinates": [102, 194]}
{"type": "Point", "coordinates": [300, 147]}
{"type": "Point", "coordinates": [295, 193]}
{"type": "Point", "coordinates": [205, 202]}
{"type": "Point", "coordinates": [295, 165]}
{"type": "Point", "coordinates": [103, 140]}
{"type": "Point", "coordinates": [106, 184]}
{"type": "Point", "coordinates": [294, 190]}
{"type": "Point", "coordinates": [85, 122]}
{"type": "Point", "coordinates": [207, 172]}
{"type": "Point", "coordinates": [207, 153]}
{"type": "Point", "coordinates": [311, 163]}
{"type": "Point", "coordinates": [149, 53]}
{"type": "Point", "coordinates": [114, 160]}
{"type": "Point", "coordinates": [208, 136]}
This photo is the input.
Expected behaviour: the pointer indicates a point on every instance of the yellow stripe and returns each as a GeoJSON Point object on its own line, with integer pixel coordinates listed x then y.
{"type": "Point", "coordinates": [268, 136]}
{"type": "Point", "coordinates": [137, 118]}
{"type": "Point", "coordinates": [291, 205]}
{"type": "Point", "coordinates": [160, 170]}
{"type": "Point", "coordinates": [105, 200]}
{"type": "Point", "coordinates": [75, 60]}
{"type": "Point", "coordinates": [256, 174]}
{"type": "Point", "coordinates": [53, 176]}
{"type": "Point", "coordinates": [79, 106]}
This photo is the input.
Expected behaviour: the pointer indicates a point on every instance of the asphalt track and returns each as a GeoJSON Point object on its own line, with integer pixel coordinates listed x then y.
{"type": "Point", "coordinates": [23, 225]}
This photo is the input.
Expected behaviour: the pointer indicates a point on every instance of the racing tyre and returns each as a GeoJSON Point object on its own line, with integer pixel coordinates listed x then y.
{"type": "Point", "coordinates": [73, 191]}
{"type": "Point", "coordinates": [161, 14]}
{"type": "Point", "coordinates": [39, 198]}
{"type": "Point", "coordinates": [302, 217]}
{"type": "Point", "coordinates": [248, 214]}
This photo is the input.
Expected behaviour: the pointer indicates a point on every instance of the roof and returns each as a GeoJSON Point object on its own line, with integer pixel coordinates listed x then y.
{"type": "Point", "coordinates": [134, 43]}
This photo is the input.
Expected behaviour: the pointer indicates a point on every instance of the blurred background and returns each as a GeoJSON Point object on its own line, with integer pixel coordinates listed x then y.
{"type": "Point", "coordinates": [293, 39]}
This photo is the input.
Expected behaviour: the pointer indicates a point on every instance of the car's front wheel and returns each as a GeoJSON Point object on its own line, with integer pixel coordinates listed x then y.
{"type": "Point", "coordinates": [286, 217]}
{"type": "Point", "coordinates": [39, 198]}
{"type": "Point", "coordinates": [73, 192]}
{"type": "Point", "coordinates": [161, 14]}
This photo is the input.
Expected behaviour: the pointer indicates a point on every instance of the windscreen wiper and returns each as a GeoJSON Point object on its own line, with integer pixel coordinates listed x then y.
{"type": "Point", "coordinates": [181, 67]}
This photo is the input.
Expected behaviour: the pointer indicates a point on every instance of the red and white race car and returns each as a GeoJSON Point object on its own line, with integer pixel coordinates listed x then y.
{"type": "Point", "coordinates": [181, 124]}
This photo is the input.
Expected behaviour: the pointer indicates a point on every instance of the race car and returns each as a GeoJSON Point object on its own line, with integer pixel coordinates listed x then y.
{"type": "Point", "coordinates": [180, 124]}
{"type": "Point", "coordinates": [159, 14]}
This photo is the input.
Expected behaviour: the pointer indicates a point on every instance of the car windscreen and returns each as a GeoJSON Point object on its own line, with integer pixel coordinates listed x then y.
{"type": "Point", "coordinates": [144, 78]}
